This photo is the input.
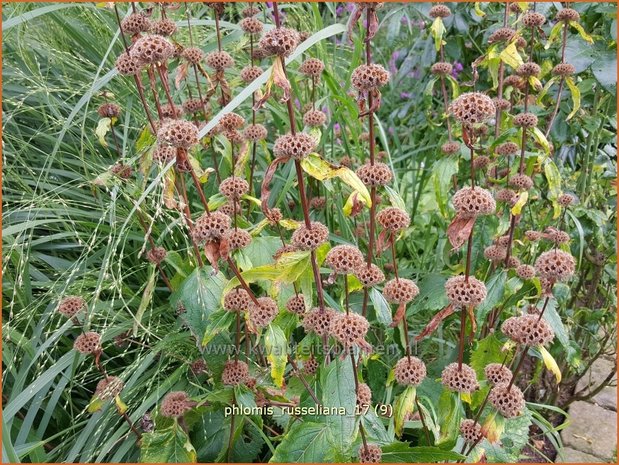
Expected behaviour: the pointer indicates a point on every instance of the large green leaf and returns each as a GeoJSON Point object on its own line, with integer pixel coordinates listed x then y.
{"type": "Point", "coordinates": [442, 173]}
{"type": "Point", "coordinates": [400, 452]}
{"type": "Point", "coordinates": [488, 350]}
{"type": "Point", "coordinates": [305, 442]}
{"type": "Point", "coordinates": [167, 446]}
{"type": "Point", "coordinates": [496, 290]}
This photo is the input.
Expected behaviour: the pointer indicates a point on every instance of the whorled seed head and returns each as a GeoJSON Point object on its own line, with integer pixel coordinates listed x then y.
{"type": "Point", "coordinates": [175, 404]}
{"type": "Point", "coordinates": [503, 34]}
{"type": "Point", "coordinates": [471, 202]}
{"type": "Point", "coordinates": [555, 265]}
{"type": "Point", "coordinates": [127, 65]}
{"type": "Point", "coordinates": [506, 195]}
{"type": "Point", "coordinates": [109, 387]}
{"type": "Point", "coordinates": [472, 108]}
{"type": "Point", "coordinates": [344, 259]}
{"type": "Point", "coordinates": [178, 133]}
{"type": "Point", "coordinates": [235, 372]}
{"type": "Point", "coordinates": [439, 11]}
{"type": "Point", "coordinates": [237, 239]}
{"type": "Point", "coordinates": [251, 25]}
{"type": "Point", "coordinates": [370, 275]}
{"type": "Point", "coordinates": [237, 300]}
{"type": "Point", "coordinates": [410, 371]}
{"type": "Point", "coordinates": [563, 70]}
{"type": "Point", "coordinates": [374, 175]}
{"type": "Point", "coordinates": [533, 19]}
{"type": "Point", "coordinates": [312, 67]}
{"type": "Point", "coordinates": [152, 49]}
{"type": "Point", "coordinates": [263, 313]}
{"type": "Point", "coordinates": [310, 366]}
{"type": "Point", "coordinates": [463, 293]}
{"type": "Point", "coordinates": [210, 227]}
{"type": "Point", "coordinates": [156, 255]}
{"type": "Point", "coordinates": [318, 321]}
{"type": "Point", "coordinates": [393, 219]}
{"type": "Point", "coordinates": [71, 306]}
{"type": "Point", "coordinates": [534, 331]}
{"type": "Point", "coordinates": [400, 290]}
{"type": "Point", "coordinates": [497, 373]}
{"type": "Point", "coordinates": [507, 148]}
{"type": "Point", "coordinates": [233, 187]}
{"type": "Point", "coordinates": [510, 328]}
{"type": "Point", "coordinates": [364, 396]}
{"type": "Point", "coordinates": [297, 146]}
{"type": "Point", "coordinates": [280, 41]}
{"type": "Point", "coordinates": [109, 110]}
{"type": "Point", "coordinates": [508, 400]}
{"type": "Point", "coordinates": [314, 118]}
{"type": "Point", "coordinates": [219, 60]}
{"type": "Point", "coordinates": [528, 69]}
{"type": "Point", "coordinates": [305, 238]}
{"type": "Point", "coordinates": [88, 343]}
{"type": "Point", "coordinates": [459, 379]}
{"type": "Point", "coordinates": [525, 120]}
{"type": "Point", "coordinates": [449, 148]}
{"type": "Point", "coordinates": [368, 77]}
{"type": "Point", "coordinates": [135, 23]}
{"type": "Point", "coordinates": [471, 431]}
{"type": "Point", "coordinates": [296, 305]}
{"type": "Point", "coordinates": [525, 272]}
{"type": "Point", "coordinates": [370, 453]}
{"type": "Point", "coordinates": [349, 329]}
{"type": "Point", "coordinates": [250, 73]}
{"type": "Point", "coordinates": [565, 200]}
{"type": "Point", "coordinates": [164, 27]}
{"type": "Point", "coordinates": [441, 68]}
{"type": "Point", "coordinates": [255, 132]}
{"type": "Point", "coordinates": [568, 15]}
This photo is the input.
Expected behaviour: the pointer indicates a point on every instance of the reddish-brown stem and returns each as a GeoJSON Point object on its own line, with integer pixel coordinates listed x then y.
{"type": "Point", "coordinates": [347, 306]}
{"type": "Point", "coordinates": [242, 281]}
{"type": "Point", "coordinates": [461, 346]}
{"type": "Point", "coordinates": [515, 372]}
{"type": "Point", "coordinates": [423, 421]}
{"type": "Point", "coordinates": [303, 380]}
{"type": "Point", "coordinates": [356, 376]}
{"type": "Point", "coordinates": [393, 255]}
{"type": "Point", "coordinates": [469, 253]}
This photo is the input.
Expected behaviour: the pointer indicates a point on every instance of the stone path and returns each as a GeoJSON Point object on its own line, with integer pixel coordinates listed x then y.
{"type": "Point", "coordinates": [592, 434]}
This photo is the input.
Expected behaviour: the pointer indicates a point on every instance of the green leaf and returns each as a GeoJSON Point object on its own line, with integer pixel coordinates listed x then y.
{"type": "Point", "coordinates": [540, 138]}
{"type": "Point", "coordinates": [103, 127]}
{"type": "Point", "coordinates": [554, 185]}
{"type": "Point", "coordinates": [147, 296]}
{"type": "Point", "coordinates": [450, 413]}
{"type": "Point", "coordinates": [496, 290]}
{"type": "Point", "coordinates": [167, 446]}
{"type": "Point", "coordinates": [438, 31]}
{"type": "Point", "coordinates": [277, 350]}
{"type": "Point", "coordinates": [442, 174]}
{"type": "Point", "coordinates": [403, 407]}
{"type": "Point", "coordinates": [554, 34]}
{"type": "Point", "coordinates": [395, 199]}
{"type": "Point", "coordinates": [488, 351]}
{"type": "Point", "coordinates": [217, 322]}
{"type": "Point", "coordinates": [575, 97]}
{"type": "Point", "coordinates": [381, 307]}
{"type": "Point", "coordinates": [305, 442]}
{"type": "Point", "coordinates": [399, 452]}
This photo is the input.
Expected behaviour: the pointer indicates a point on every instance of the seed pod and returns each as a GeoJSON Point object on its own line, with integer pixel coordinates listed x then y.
{"type": "Point", "coordinates": [263, 313]}
{"type": "Point", "coordinates": [219, 61]}
{"type": "Point", "coordinates": [71, 306]}
{"type": "Point", "coordinates": [156, 255]}
{"type": "Point", "coordinates": [525, 272]}
{"type": "Point", "coordinates": [175, 404]}
{"type": "Point", "coordinates": [497, 373]}
{"type": "Point", "coordinates": [280, 41]}
{"type": "Point", "coordinates": [439, 11]}
{"type": "Point", "coordinates": [152, 49]}
{"type": "Point", "coordinates": [88, 343]}
{"type": "Point", "coordinates": [255, 132]}
{"type": "Point", "coordinates": [251, 25]}
{"type": "Point", "coordinates": [471, 431]}
{"type": "Point", "coordinates": [318, 321]}
{"type": "Point", "coordinates": [250, 73]}
{"type": "Point", "coordinates": [503, 34]}
{"type": "Point", "coordinates": [297, 146]}
{"type": "Point", "coordinates": [563, 70]}
{"type": "Point", "coordinates": [565, 200]}
{"type": "Point", "coordinates": [393, 219]}
{"type": "Point", "coordinates": [528, 69]}
{"type": "Point", "coordinates": [463, 293]}
{"type": "Point", "coordinates": [296, 304]}
{"type": "Point", "coordinates": [495, 253]}
{"type": "Point", "coordinates": [364, 396]}
{"type": "Point", "coordinates": [369, 276]}
{"type": "Point", "coordinates": [178, 133]}
{"type": "Point", "coordinates": [507, 148]}
{"type": "Point", "coordinates": [441, 68]}
{"type": "Point", "coordinates": [210, 227]}
{"type": "Point", "coordinates": [472, 108]}
{"type": "Point", "coordinates": [510, 328]}
{"type": "Point", "coordinates": [109, 387]}
{"type": "Point", "coordinates": [459, 379]}
{"type": "Point", "coordinates": [305, 238]}
{"type": "Point", "coordinates": [237, 239]}
{"type": "Point", "coordinates": [233, 188]}
{"type": "Point", "coordinates": [349, 329]}
{"type": "Point", "coordinates": [400, 290]}
{"type": "Point", "coordinates": [127, 65]}
{"type": "Point", "coordinates": [509, 401]}
{"type": "Point", "coordinates": [235, 372]}
{"type": "Point", "coordinates": [310, 366]}
{"type": "Point", "coordinates": [314, 118]}
{"type": "Point", "coordinates": [471, 202]}
{"type": "Point", "coordinates": [533, 19]}
{"type": "Point", "coordinates": [374, 175]}
{"type": "Point", "coordinates": [521, 182]}
{"type": "Point", "coordinates": [555, 265]}
{"type": "Point", "coordinates": [525, 120]}
{"type": "Point", "coordinates": [534, 331]}
{"type": "Point", "coordinates": [410, 371]}
{"type": "Point", "coordinates": [568, 15]}
{"type": "Point", "coordinates": [237, 300]}
{"type": "Point", "coordinates": [506, 195]}
{"type": "Point", "coordinates": [135, 23]}
{"type": "Point", "coordinates": [369, 77]}
{"type": "Point", "coordinates": [502, 104]}
{"type": "Point", "coordinates": [449, 148]}
{"type": "Point", "coordinates": [312, 67]}
{"type": "Point", "coordinates": [164, 27]}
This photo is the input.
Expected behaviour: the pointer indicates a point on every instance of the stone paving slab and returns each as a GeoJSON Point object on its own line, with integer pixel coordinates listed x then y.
{"type": "Point", "coordinates": [593, 430]}
{"type": "Point", "coordinates": [575, 456]}
{"type": "Point", "coordinates": [600, 369]}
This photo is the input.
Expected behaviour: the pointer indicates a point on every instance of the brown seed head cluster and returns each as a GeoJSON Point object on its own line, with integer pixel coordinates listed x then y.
{"type": "Point", "coordinates": [193, 105]}
{"type": "Point", "coordinates": [557, 236]}
{"type": "Point", "coordinates": [237, 239]}
{"type": "Point", "coordinates": [251, 25]}
{"type": "Point", "coordinates": [528, 69]}
{"type": "Point", "coordinates": [374, 175]}
{"type": "Point", "coordinates": [318, 203]}
{"type": "Point", "coordinates": [175, 404]}
{"type": "Point", "coordinates": [371, 453]}
{"type": "Point", "coordinates": [503, 34]}
{"type": "Point", "coordinates": [471, 431]}
{"type": "Point", "coordinates": [297, 146]}
{"type": "Point", "coordinates": [163, 154]}
{"type": "Point", "coordinates": [164, 27]}
{"type": "Point", "coordinates": [563, 70]}
{"type": "Point", "coordinates": [318, 321]}
{"type": "Point", "coordinates": [263, 313]}
{"type": "Point", "coordinates": [393, 219]}
{"type": "Point", "coordinates": [507, 148]}
{"type": "Point", "coordinates": [232, 121]}
{"type": "Point", "coordinates": [312, 67]}
{"type": "Point", "coordinates": [364, 396]}
{"type": "Point", "coordinates": [210, 227]}
{"type": "Point", "coordinates": [506, 195]}
{"type": "Point", "coordinates": [171, 111]}
{"type": "Point", "coordinates": [235, 372]}
{"type": "Point", "coordinates": [568, 15]}
{"type": "Point", "coordinates": [521, 182]}
{"type": "Point", "coordinates": [349, 329]}
{"type": "Point", "coordinates": [369, 77]}
{"type": "Point", "coordinates": [449, 148]}
{"type": "Point", "coordinates": [296, 304]}
{"type": "Point", "coordinates": [314, 118]}
{"type": "Point", "coordinates": [409, 371]}
{"type": "Point", "coordinates": [525, 272]}
{"type": "Point", "coordinates": [152, 49]}
{"type": "Point", "coordinates": [533, 235]}
{"type": "Point", "coordinates": [441, 68]}
{"type": "Point", "coordinates": [237, 300]}
{"type": "Point", "coordinates": [459, 379]}
{"type": "Point", "coordinates": [369, 276]}
{"type": "Point", "coordinates": [472, 108]}
{"type": "Point", "coordinates": [109, 110]}
{"type": "Point", "coordinates": [122, 171]}
{"type": "Point", "coordinates": [71, 306]}
{"type": "Point", "coordinates": [156, 255]}
{"type": "Point", "coordinates": [533, 19]}
{"type": "Point", "coordinates": [509, 402]}
{"type": "Point", "coordinates": [127, 65]}
{"type": "Point", "coordinates": [135, 23]}
{"type": "Point", "coordinates": [439, 11]}
{"type": "Point", "coordinates": [480, 162]}
{"type": "Point", "coordinates": [534, 331]}
{"type": "Point", "coordinates": [280, 41]}
{"type": "Point", "coordinates": [233, 187]}
{"type": "Point", "coordinates": [525, 120]}
{"type": "Point", "coordinates": [255, 132]}
{"type": "Point", "coordinates": [250, 11]}
{"type": "Point", "coordinates": [495, 253]}
{"type": "Point", "coordinates": [497, 373]}
{"type": "Point", "coordinates": [510, 328]}
{"type": "Point", "coordinates": [250, 73]}
{"type": "Point", "coordinates": [109, 387]}
{"type": "Point", "coordinates": [178, 133]}
{"type": "Point", "coordinates": [471, 202]}
{"type": "Point", "coordinates": [310, 366]}
{"type": "Point", "coordinates": [219, 60]}
{"type": "Point", "coordinates": [344, 259]}
{"type": "Point", "coordinates": [463, 293]}
{"type": "Point", "coordinates": [565, 200]}
{"type": "Point", "coordinates": [306, 238]}
{"type": "Point", "coordinates": [514, 81]}
{"type": "Point", "coordinates": [555, 265]}
{"type": "Point", "coordinates": [400, 290]}
{"type": "Point", "coordinates": [88, 343]}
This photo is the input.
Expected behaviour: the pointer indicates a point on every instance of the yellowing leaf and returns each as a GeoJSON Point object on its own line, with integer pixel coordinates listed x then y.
{"type": "Point", "coordinates": [276, 346]}
{"type": "Point", "coordinates": [493, 427]}
{"type": "Point", "coordinates": [168, 190]}
{"type": "Point", "coordinates": [540, 138]}
{"type": "Point", "coordinates": [554, 184]}
{"type": "Point", "coordinates": [510, 56]}
{"type": "Point", "coordinates": [545, 89]}
{"type": "Point", "coordinates": [551, 363]}
{"type": "Point", "coordinates": [465, 397]}
{"type": "Point", "coordinates": [289, 224]}
{"type": "Point", "coordinates": [403, 408]}
{"type": "Point", "coordinates": [321, 169]}
{"type": "Point", "coordinates": [522, 200]}
{"type": "Point", "coordinates": [120, 405]}
{"type": "Point", "coordinates": [438, 31]}
{"type": "Point", "coordinates": [586, 37]}
{"type": "Point", "coordinates": [554, 34]}
{"type": "Point", "coordinates": [575, 97]}
{"type": "Point", "coordinates": [103, 127]}
{"type": "Point", "coordinates": [95, 404]}
{"type": "Point", "coordinates": [478, 11]}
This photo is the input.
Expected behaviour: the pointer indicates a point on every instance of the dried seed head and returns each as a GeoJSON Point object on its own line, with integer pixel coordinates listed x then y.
{"type": "Point", "coordinates": [472, 108]}
{"type": "Point", "coordinates": [109, 110]}
{"type": "Point", "coordinates": [232, 121]}
{"type": "Point", "coordinates": [250, 73]}
{"type": "Point", "coordinates": [71, 306]}
{"type": "Point", "coordinates": [237, 300]}
{"type": "Point", "coordinates": [525, 272]}
{"type": "Point", "coordinates": [171, 111]}
{"type": "Point", "coordinates": [127, 65]}
{"type": "Point", "coordinates": [250, 11]}
{"type": "Point", "coordinates": [465, 294]}
{"type": "Point", "coordinates": [349, 329]}
{"type": "Point", "coordinates": [163, 154]}
{"type": "Point", "coordinates": [534, 331]}
{"type": "Point", "coordinates": [502, 104]}
{"type": "Point", "coordinates": [369, 276]}
{"type": "Point", "coordinates": [506, 195]}
{"type": "Point", "coordinates": [556, 236]}
{"type": "Point", "coordinates": [310, 366]}
{"type": "Point", "coordinates": [274, 215]}
{"type": "Point", "coordinates": [565, 200]}
{"type": "Point", "coordinates": [152, 49]}
{"type": "Point", "coordinates": [514, 81]}
{"type": "Point", "coordinates": [533, 19]}
{"type": "Point", "coordinates": [109, 387]}
{"type": "Point", "coordinates": [175, 404]}
{"type": "Point", "coordinates": [237, 239]}
{"type": "Point", "coordinates": [497, 373]}
{"type": "Point", "coordinates": [164, 27]}
{"type": "Point", "coordinates": [305, 238]}
{"type": "Point", "coordinates": [255, 132]}
{"type": "Point", "coordinates": [346, 161]}
{"type": "Point", "coordinates": [480, 162]}
{"type": "Point", "coordinates": [513, 262]}
{"type": "Point", "coordinates": [568, 15]}
{"type": "Point", "coordinates": [510, 328]}
{"type": "Point", "coordinates": [400, 290]}
{"type": "Point", "coordinates": [533, 235]}
{"type": "Point", "coordinates": [122, 171]}
{"type": "Point", "coordinates": [521, 182]}
{"type": "Point", "coordinates": [509, 401]}
{"type": "Point", "coordinates": [178, 133]}
{"type": "Point", "coordinates": [210, 227]}
{"type": "Point", "coordinates": [525, 120]}
{"type": "Point", "coordinates": [555, 265]}
{"type": "Point", "coordinates": [233, 135]}
{"type": "Point", "coordinates": [563, 70]}
{"type": "Point", "coordinates": [318, 321]}
{"type": "Point", "coordinates": [235, 372]}
{"type": "Point", "coordinates": [280, 41]}
{"type": "Point", "coordinates": [441, 68]}
{"type": "Point", "coordinates": [368, 77]}
{"type": "Point", "coordinates": [156, 255]}
{"type": "Point", "coordinates": [135, 23]}
{"type": "Point", "coordinates": [449, 148]}
{"type": "Point", "coordinates": [393, 219]}
{"type": "Point", "coordinates": [470, 202]}
{"type": "Point", "coordinates": [495, 253]}
{"type": "Point", "coordinates": [461, 379]}
{"type": "Point", "coordinates": [297, 146]}
{"type": "Point", "coordinates": [373, 175]}
{"type": "Point", "coordinates": [439, 11]}
{"type": "Point", "coordinates": [410, 371]}
{"type": "Point", "coordinates": [198, 367]}
{"type": "Point", "coordinates": [251, 25]}
{"type": "Point", "coordinates": [233, 187]}
{"type": "Point", "coordinates": [230, 209]}
{"type": "Point", "coordinates": [528, 69]}
{"type": "Point", "coordinates": [471, 431]}
{"type": "Point", "coordinates": [364, 396]}
{"type": "Point", "coordinates": [193, 105]}
{"type": "Point", "coordinates": [503, 34]}
{"type": "Point", "coordinates": [219, 60]}
{"type": "Point", "coordinates": [263, 313]}
{"type": "Point", "coordinates": [312, 67]}
{"type": "Point", "coordinates": [88, 343]}
{"type": "Point", "coordinates": [507, 148]}
{"type": "Point", "coordinates": [318, 203]}
{"type": "Point", "coordinates": [344, 259]}
{"type": "Point", "coordinates": [370, 453]}
{"type": "Point", "coordinates": [314, 118]}
{"type": "Point", "coordinates": [296, 304]}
